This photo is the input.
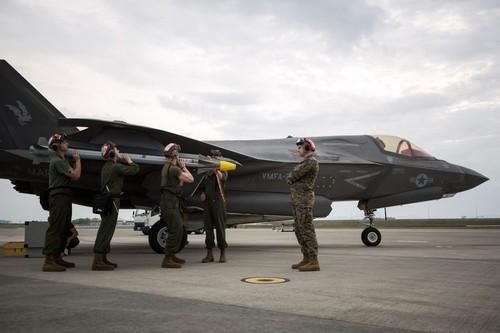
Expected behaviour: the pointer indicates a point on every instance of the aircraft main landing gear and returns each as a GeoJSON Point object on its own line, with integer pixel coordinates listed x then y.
{"type": "Point", "coordinates": [157, 237]}
{"type": "Point", "coordinates": [370, 236]}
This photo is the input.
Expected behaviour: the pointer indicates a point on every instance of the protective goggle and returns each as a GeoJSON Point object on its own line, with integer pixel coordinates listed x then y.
{"type": "Point", "coordinates": [113, 145]}
{"type": "Point", "coordinates": [300, 142]}
{"type": "Point", "coordinates": [58, 138]}
{"type": "Point", "coordinates": [215, 153]}
{"type": "Point", "coordinates": [174, 150]}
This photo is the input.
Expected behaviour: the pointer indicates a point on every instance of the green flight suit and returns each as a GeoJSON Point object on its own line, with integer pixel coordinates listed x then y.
{"type": "Point", "coordinates": [112, 176]}
{"type": "Point", "coordinates": [214, 213]}
{"type": "Point", "coordinates": [170, 205]}
{"type": "Point", "coordinates": [60, 206]}
{"type": "Point", "coordinates": [302, 180]}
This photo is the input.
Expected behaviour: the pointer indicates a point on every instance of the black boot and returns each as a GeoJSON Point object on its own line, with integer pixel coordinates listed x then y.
{"type": "Point", "coordinates": [222, 255]}
{"type": "Point", "coordinates": [209, 257]}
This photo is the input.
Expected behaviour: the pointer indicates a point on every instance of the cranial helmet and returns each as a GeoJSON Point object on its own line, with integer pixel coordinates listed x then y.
{"type": "Point", "coordinates": [108, 150]}
{"type": "Point", "coordinates": [307, 143]}
{"type": "Point", "coordinates": [55, 140]}
{"type": "Point", "coordinates": [172, 150]}
{"type": "Point", "coordinates": [215, 153]}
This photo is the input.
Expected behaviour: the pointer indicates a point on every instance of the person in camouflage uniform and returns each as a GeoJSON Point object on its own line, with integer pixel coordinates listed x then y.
{"type": "Point", "coordinates": [113, 173]}
{"type": "Point", "coordinates": [302, 180]}
{"type": "Point", "coordinates": [61, 174]}
{"type": "Point", "coordinates": [173, 175]}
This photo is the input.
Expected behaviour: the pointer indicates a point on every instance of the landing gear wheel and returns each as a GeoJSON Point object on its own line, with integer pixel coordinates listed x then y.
{"type": "Point", "coordinates": [200, 231]}
{"type": "Point", "coordinates": [371, 236]}
{"type": "Point", "coordinates": [157, 237]}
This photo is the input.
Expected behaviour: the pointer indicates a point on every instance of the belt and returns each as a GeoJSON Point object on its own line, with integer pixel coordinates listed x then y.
{"type": "Point", "coordinates": [167, 190]}
{"type": "Point", "coordinates": [61, 191]}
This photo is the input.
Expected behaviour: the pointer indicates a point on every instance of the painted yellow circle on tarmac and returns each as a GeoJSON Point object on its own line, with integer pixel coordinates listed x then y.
{"type": "Point", "coordinates": [264, 280]}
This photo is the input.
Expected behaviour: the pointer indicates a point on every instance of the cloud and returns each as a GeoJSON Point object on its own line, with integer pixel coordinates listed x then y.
{"type": "Point", "coordinates": [425, 70]}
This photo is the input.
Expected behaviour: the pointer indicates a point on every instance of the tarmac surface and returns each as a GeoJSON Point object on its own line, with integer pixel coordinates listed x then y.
{"type": "Point", "coordinates": [417, 280]}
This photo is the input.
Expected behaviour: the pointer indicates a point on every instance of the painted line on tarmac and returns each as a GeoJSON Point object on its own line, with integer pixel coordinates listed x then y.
{"type": "Point", "coordinates": [483, 226]}
{"type": "Point", "coordinates": [411, 241]}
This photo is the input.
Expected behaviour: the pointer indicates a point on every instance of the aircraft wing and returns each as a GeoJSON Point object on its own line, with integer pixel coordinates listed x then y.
{"type": "Point", "coordinates": [137, 139]}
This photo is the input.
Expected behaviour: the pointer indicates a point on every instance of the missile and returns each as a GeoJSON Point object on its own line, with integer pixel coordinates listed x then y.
{"type": "Point", "coordinates": [41, 154]}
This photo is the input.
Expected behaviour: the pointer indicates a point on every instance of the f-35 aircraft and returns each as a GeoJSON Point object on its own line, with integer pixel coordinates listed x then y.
{"type": "Point", "coordinates": [376, 171]}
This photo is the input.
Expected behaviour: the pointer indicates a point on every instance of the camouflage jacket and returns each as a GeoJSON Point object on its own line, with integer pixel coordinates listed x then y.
{"type": "Point", "coordinates": [302, 180]}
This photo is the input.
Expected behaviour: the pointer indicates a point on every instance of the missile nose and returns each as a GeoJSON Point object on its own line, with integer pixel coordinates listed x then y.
{"type": "Point", "coordinates": [226, 166]}
{"type": "Point", "coordinates": [473, 178]}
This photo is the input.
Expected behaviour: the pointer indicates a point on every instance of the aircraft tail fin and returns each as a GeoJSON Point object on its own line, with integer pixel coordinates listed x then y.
{"type": "Point", "coordinates": [25, 115]}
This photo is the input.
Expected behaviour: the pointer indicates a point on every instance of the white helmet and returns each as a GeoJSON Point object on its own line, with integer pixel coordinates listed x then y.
{"type": "Point", "coordinates": [107, 150]}
{"type": "Point", "coordinates": [172, 149]}
{"type": "Point", "coordinates": [55, 140]}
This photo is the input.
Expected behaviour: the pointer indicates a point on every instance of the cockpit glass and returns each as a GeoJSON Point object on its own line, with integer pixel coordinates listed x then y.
{"type": "Point", "coordinates": [399, 146]}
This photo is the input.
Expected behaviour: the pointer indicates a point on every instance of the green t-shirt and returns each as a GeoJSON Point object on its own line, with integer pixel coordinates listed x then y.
{"type": "Point", "coordinates": [170, 176]}
{"type": "Point", "coordinates": [58, 168]}
{"type": "Point", "coordinates": [112, 174]}
{"type": "Point", "coordinates": [210, 186]}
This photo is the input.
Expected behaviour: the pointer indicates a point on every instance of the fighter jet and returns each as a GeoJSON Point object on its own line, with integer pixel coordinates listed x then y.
{"type": "Point", "coordinates": [375, 170]}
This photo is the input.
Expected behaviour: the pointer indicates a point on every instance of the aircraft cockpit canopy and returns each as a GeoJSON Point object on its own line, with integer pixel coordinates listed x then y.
{"type": "Point", "coordinates": [400, 146]}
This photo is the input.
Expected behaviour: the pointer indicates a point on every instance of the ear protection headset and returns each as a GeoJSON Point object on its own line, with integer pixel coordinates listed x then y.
{"type": "Point", "coordinates": [55, 140]}
{"type": "Point", "coordinates": [307, 143]}
{"type": "Point", "coordinates": [108, 150]}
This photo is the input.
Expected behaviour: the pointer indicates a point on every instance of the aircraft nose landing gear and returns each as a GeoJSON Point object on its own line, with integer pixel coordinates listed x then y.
{"type": "Point", "coordinates": [370, 236]}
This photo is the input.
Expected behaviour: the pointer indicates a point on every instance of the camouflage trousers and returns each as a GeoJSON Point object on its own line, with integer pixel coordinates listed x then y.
{"type": "Point", "coordinates": [304, 230]}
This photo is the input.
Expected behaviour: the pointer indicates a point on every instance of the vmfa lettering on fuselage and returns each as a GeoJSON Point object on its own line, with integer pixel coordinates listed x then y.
{"type": "Point", "coordinates": [274, 176]}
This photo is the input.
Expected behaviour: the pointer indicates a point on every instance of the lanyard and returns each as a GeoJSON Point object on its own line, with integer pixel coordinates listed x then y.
{"type": "Point", "coordinates": [218, 175]}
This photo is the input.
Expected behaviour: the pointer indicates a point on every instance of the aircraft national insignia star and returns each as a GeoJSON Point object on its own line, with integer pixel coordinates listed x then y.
{"type": "Point", "coordinates": [422, 180]}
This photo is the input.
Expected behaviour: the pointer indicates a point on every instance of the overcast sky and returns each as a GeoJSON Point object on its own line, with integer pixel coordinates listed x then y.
{"type": "Point", "coordinates": [428, 71]}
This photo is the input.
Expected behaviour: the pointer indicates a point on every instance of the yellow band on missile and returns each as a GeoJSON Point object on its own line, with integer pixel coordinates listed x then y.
{"type": "Point", "coordinates": [226, 166]}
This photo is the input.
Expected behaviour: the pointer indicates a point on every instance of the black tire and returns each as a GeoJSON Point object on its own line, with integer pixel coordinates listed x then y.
{"type": "Point", "coordinates": [145, 231]}
{"type": "Point", "coordinates": [157, 236]}
{"type": "Point", "coordinates": [371, 236]}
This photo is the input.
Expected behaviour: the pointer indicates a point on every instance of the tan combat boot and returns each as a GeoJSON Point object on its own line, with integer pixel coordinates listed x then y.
{"type": "Point", "coordinates": [209, 257]}
{"type": "Point", "coordinates": [61, 262]}
{"type": "Point", "coordinates": [178, 260]}
{"type": "Point", "coordinates": [100, 265]}
{"type": "Point", "coordinates": [305, 261]}
{"type": "Point", "coordinates": [50, 265]}
{"type": "Point", "coordinates": [312, 265]}
{"type": "Point", "coordinates": [222, 255]}
{"type": "Point", "coordinates": [168, 262]}
{"type": "Point", "coordinates": [107, 262]}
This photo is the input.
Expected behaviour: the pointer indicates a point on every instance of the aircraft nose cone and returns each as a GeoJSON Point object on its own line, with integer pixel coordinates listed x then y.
{"type": "Point", "coordinates": [473, 178]}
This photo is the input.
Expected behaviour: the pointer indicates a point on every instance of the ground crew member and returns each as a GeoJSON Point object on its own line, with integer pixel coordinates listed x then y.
{"type": "Point", "coordinates": [61, 173]}
{"type": "Point", "coordinates": [113, 173]}
{"type": "Point", "coordinates": [173, 175]}
{"type": "Point", "coordinates": [214, 214]}
{"type": "Point", "coordinates": [302, 180]}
